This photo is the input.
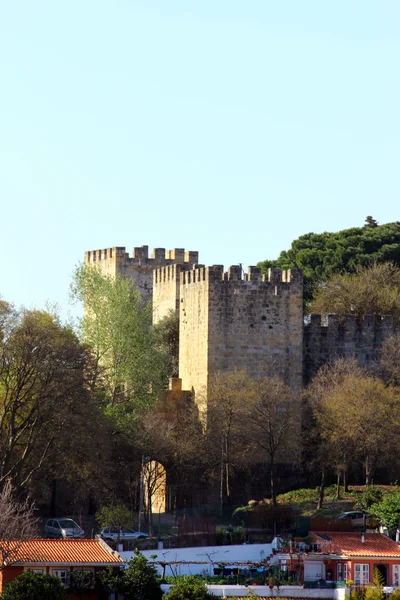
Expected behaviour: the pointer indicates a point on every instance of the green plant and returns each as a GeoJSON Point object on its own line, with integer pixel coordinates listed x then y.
{"type": "Point", "coordinates": [81, 582]}
{"type": "Point", "coordinates": [395, 595]}
{"type": "Point", "coordinates": [238, 535]}
{"type": "Point", "coordinates": [35, 587]}
{"type": "Point", "coordinates": [220, 535]}
{"type": "Point", "coordinates": [375, 592]}
{"type": "Point", "coordinates": [371, 495]}
{"type": "Point", "coordinates": [388, 511]}
{"type": "Point", "coordinates": [189, 587]}
{"type": "Point", "coordinates": [116, 516]}
{"type": "Point", "coordinates": [140, 580]}
{"type": "Point", "coordinates": [357, 593]}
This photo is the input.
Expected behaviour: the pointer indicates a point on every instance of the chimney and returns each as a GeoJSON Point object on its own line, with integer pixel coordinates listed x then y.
{"type": "Point", "coordinates": [362, 537]}
{"type": "Point", "coordinates": [397, 535]}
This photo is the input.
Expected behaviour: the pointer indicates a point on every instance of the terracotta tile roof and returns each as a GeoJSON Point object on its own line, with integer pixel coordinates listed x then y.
{"type": "Point", "coordinates": [350, 544]}
{"type": "Point", "coordinates": [71, 552]}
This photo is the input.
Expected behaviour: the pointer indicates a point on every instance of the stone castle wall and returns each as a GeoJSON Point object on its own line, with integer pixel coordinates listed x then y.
{"type": "Point", "coordinates": [232, 321]}
{"type": "Point", "coordinates": [140, 266]}
{"type": "Point", "coordinates": [228, 321]}
{"type": "Point", "coordinates": [330, 337]}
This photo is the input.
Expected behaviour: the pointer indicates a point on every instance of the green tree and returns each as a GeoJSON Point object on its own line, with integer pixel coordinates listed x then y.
{"type": "Point", "coordinates": [189, 587]}
{"type": "Point", "coordinates": [82, 582]}
{"type": "Point", "coordinates": [34, 586]}
{"type": "Point", "coordinates": [388, 511]}
{"type": "Point", "coordinates": [117, 327]}
{"type": "Point", "coordinates": [371, 495]}
{"type": "Point", "coordinates": [167, 333]}
{"type": "Point", "coordinates": [42, 393]}
{"type": "Point", "coordinates": [371, 222]}
{"type": "Point", "coordinates": [140, 580]}
{"type": "Point", "coordinates": [321, 255]}
{"type": "Point", "coordinates": [372, 290]}
{"type": "Point", "coordinates": [117, 516]}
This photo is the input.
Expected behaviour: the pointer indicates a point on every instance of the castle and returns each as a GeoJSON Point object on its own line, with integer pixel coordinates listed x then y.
{"type": "Point", "coordinates": [239, 320]}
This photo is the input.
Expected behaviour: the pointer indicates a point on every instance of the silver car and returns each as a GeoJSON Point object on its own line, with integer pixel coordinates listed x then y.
{"type": "Point", "coordinates": [358, 518]}
{"type": "Point", "coordinates": [62, 528]}
{"type": "Point", "coordinates": [112, 533]}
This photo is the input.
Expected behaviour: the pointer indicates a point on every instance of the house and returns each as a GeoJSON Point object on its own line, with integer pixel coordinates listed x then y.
{"type": "Point", "coordinates": [59, 558]}
{"type": "Point", "coordinates": [340, 556]}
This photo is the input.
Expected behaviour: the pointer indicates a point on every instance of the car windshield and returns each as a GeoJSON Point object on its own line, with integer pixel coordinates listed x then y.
{"type": "Point", "coordinates": [68, 524]}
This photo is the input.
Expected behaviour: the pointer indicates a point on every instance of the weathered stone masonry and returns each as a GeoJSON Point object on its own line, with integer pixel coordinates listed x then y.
{"type": "Point", "coordinates": [328, 337]}
{"type": "Point", "coordinates": [116, 261]}
{"type": "Point", "coordinates": [229, 320]}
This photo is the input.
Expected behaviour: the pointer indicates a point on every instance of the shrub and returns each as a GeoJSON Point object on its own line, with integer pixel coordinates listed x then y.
{"type": "Point", "coordinates": [371, 495]}
{"type": "Point", "coordinates": [35, 587]}
{"type": "Point", "coordinates": [189, 587]}
{"type": "Point", "coordinates": [388, 511]}
{"type": "Point", "coordinates": [140, 580]}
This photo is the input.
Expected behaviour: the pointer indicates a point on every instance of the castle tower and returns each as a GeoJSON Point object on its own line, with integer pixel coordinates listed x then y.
{"type": "Point", "coordinates": [139, 267]}
{"type": "Point", "coordinates": [228, 321]}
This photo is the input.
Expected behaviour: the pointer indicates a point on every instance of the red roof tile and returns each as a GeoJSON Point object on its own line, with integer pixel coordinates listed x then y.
{"type": "Point", "coordinates": [69, 552]}
{"type": "Point", "coordinates": [350, 544]}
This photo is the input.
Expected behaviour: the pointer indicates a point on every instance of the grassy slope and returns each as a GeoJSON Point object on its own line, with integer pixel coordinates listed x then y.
{"type": "Point", "coordinates": [306, 499]}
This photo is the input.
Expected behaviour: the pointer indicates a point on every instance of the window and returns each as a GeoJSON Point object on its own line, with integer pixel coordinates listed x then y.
{"type": "Point", "coordinates": [342, 572]}
{"type": "Point", "coordinates": [37, 571]}
{"type": "Point", "coordinates": [396, 575]}
{"type": "Point", "coordinates": [361, 574]}
{"type": "Point", "coordinates": [61, 574]}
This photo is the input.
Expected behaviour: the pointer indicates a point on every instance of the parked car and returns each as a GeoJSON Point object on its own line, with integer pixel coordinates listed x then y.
{"type": "Point", "coordinates": [112, 534]}
{"type": "Point", "coordinates": [62, 528]}
{"type": "Point", "coordinates": [358, 518]}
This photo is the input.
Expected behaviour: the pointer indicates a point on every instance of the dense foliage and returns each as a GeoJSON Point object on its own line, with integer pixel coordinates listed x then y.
{"type": "Point", "coordinates": [372, 290]}
{"type": "Point", "coordinates": [137, 582]}
{"type": "Point", "coordinates": [321, 255]}
{"type": "Point", "coordinates": [189, 587]}
{"type": "Point", "coordinates": [388, 511]}
{"type": "Point", "coordinates": [116, 516]}
{"type": "Point", "coordinates": [35, 587]}
{"type": "Point", "coordinates": [117, 327]}
{"type": "Point", "coordinates": [47, 414]}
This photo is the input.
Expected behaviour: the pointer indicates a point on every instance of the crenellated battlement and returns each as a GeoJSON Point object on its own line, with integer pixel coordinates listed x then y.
{"type": "Point", "coordinates": [235, 273]}
{"type": "Point", "coordinates": [349, 323]}
{"type": "Point", "coordinates": [140, 256]}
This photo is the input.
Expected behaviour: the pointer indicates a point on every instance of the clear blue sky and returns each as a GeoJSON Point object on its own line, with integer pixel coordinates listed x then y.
{"type": "Point", "coordinates": [223, 126]}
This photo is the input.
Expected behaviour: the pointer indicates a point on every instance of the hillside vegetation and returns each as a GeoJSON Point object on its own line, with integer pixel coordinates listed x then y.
{"type": "Point", "coordinates": [321, 255]}
{"type": "Point", "coordinates": [305, 500]}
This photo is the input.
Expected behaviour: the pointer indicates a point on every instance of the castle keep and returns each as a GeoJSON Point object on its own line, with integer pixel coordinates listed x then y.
{"type": "Point", "coordinates": [233, 320]}
{"type": "Point", "coordinates": [229, 320]}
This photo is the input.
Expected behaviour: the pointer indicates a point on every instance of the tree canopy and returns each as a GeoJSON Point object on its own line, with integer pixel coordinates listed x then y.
{"type": "Point", "coordinates": [320, 255]}
{"type": "Point", "coordinates": [371, 290]}
{"type": "Point", "coordinates": [117, 327]}
{"type": "Point", "coordinates": [137, 582]}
